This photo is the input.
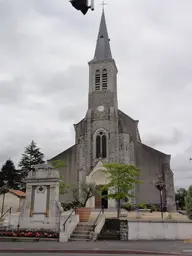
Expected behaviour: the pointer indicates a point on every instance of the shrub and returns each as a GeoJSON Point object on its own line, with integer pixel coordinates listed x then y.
{"type": "Point", "coordinates": [152, 207]}
{"type": "Point", "coordinates": [142, 206]}
{"type": "Point", "coordinates": [69, 206]}
{"type": "Point", "coordinates": [128, 207]}
{"type": "Point", "coordinates": [156, 207]}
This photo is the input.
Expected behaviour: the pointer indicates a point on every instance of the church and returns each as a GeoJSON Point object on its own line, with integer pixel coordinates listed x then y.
{"type": "Point", "coordinates": [107, 135]}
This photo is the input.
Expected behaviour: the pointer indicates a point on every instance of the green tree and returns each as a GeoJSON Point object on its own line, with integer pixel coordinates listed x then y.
{"type": "Point", "coordinates": [63, 187]}
{"type": "Point", "coordinates": [188, 203]}
{"type": "Point", "coordinates": [82, 195]}
{"type": "Point", "coordinates": [121, 180]}
{"type": "Point", "coordinates": [180, 197]}
{"type": "Point", "coordinates": [1, 180]}
{"type": "Point", "coordinates": [30, 157]}
{"type": "Point", "coordinates": [57, 164]}
{"type": "Point", "coordinates": [10, 175]}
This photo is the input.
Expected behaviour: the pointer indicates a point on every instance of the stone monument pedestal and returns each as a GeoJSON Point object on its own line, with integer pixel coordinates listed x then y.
{"type": "Point", "coordinates": [42, 195]}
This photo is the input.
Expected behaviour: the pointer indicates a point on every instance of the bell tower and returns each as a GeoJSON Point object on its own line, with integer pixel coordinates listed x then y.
{"type": "Point", "coordinates": [102, 73]}
{"type": "Point", "coordinates": [97, 135]}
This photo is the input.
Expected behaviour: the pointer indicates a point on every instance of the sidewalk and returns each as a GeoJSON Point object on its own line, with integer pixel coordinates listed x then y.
{"type": "Point", "coordinates": [118, 247]}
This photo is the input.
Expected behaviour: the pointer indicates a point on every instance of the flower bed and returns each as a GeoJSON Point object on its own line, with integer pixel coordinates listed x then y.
{"type": "Point", "coordinates": [29, 233]}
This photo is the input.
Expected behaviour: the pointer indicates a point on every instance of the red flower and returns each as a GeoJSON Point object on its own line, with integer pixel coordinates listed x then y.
{"type": "Point", "coordinates": [38, 234]}
{"type": "Point", "coordinates": [9, 233]}
{"type": "Point", "coordinates": [30, 234]}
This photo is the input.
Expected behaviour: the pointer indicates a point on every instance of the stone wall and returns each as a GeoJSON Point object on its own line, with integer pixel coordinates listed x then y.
{"type": "Point", "coordinates": [150, 163]}
{"type": "Point", "coordinates": [69, 172]}
{"type": "Point", "coordinates": [11, 200]}
{"type": "Point", "coordinates": [127, 125]}
{"type": "Point", "coordinates": [159, 230]}
{"type": "Point", "coordinates": [124, 230]}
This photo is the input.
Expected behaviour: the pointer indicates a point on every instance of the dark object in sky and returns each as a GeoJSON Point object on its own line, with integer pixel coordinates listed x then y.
{"type": "Point", "coordinates": [80, 5]}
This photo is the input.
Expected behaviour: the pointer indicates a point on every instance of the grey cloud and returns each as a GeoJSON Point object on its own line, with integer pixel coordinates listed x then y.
{"type": "Point", "coordinates": [182, 167]}
{"type": "Point", "coordinates": [7, 154]}
{"type": "Point", "coordinates": [184, 174]}
{"type": "Point", "coordinates": [73, 112]}
{"type": "Point", "coordinates": [156, 140]}
{"type": "Point", "coordinates": [14, 143]}
{"type": "Point", "coordinates": [11, 91]}
{"type": "Point", "coordinates": [73, 79]}
{"type": "Point", "coordinates": [181, 162]}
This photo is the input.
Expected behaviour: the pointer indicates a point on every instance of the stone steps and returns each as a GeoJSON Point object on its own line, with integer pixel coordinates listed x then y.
{"type": "Point", "coordinates": [79, 239]}
{"type": "Point", "coordinates": [80, 236]}
{"type": "Point", "coordinates": [82, 232]}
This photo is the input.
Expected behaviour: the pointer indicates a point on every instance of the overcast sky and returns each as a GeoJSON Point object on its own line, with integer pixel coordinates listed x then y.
{"type": "Point", "coordinates": [44, 49]}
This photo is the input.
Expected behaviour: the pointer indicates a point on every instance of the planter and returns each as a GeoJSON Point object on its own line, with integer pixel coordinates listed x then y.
{"type": "Point", "coordinates": [84, 214]}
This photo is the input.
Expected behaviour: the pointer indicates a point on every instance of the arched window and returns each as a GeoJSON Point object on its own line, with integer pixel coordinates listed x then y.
{"type": "Point", "coordinates": [97, 80]}
{"type": "Point", "coordinates": [101, 145]}
{"type": "Point", "coordinates": [104, 79]}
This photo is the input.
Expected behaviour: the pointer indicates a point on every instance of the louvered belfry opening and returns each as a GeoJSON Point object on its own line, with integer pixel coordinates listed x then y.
{"type": "Point", "coordinates": [104, 79]}
{"type": "Point", "coordinates": [97, 80]}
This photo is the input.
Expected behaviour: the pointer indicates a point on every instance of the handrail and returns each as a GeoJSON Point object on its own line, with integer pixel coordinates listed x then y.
{"type": "Point", "coordinates": [95, 223]}
{"type": "Point", "coordinates": [9, 210]}
{"type": "Point", "coordinates": [68, 218]}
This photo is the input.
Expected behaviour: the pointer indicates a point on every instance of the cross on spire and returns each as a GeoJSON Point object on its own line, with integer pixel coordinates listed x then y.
{"type": "Point", "coordinates": [103, 4]}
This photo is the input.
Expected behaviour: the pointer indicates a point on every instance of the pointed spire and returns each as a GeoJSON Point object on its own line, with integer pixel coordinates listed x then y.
{"type": "Point", "coordinates": [103, 49]}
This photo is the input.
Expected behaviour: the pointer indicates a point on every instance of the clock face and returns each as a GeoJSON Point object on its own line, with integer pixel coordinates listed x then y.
{"type": "Point", "coordinates": [100, 108]}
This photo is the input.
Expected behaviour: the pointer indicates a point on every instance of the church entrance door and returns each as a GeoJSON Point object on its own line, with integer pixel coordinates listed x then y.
{"type": "Point", "coordinates": [100, 201]}
{"type": "Point", "coordinates": [104, 201]}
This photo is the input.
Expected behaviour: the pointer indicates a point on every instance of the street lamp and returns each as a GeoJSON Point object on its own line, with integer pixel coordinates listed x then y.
{"type": "Point", "coordinates": [4, 190]}
{"type": "Point", "coordinates": [160, 186]}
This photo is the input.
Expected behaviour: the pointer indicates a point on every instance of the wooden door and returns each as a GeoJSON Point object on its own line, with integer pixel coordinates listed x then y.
{"type": "Point", "coordinates": [98, 201]}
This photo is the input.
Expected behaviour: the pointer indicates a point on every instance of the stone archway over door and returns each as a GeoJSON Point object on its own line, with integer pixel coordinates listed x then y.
{"type": "Point", "coordinates": [98, 176]}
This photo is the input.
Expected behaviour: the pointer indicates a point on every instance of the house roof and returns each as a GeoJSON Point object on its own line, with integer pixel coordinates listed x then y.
{"type": "Point", "coordinates": [18, 193]}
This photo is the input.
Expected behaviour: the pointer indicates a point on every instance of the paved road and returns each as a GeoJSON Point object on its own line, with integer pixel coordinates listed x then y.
{"type": "Point", "coordinates": [43, 254]}
{"type": "Point", "coordinates": [159, 246]}
{"type": "Point", "coordinates": [78, 247]}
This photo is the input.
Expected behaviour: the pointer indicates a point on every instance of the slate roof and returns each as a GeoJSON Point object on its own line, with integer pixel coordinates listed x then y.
{"type": "Point", "coordinates": [103, 49]}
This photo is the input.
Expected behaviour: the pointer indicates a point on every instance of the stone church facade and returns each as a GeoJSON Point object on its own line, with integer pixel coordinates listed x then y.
{"type": "Point", "coordinates": [106, 134]}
